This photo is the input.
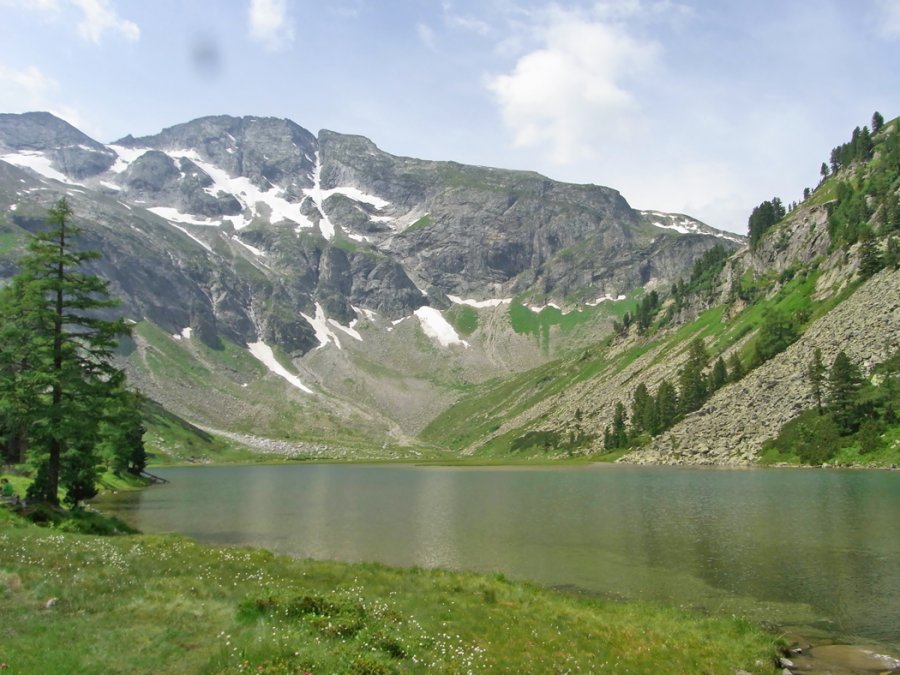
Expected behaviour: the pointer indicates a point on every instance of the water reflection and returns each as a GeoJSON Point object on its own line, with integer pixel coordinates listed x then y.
{"type": "Point", "coordinates": [790, 546]}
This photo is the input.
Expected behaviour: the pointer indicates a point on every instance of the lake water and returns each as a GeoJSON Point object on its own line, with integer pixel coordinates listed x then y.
{"type": "Point", "coordinates": [815, 549]}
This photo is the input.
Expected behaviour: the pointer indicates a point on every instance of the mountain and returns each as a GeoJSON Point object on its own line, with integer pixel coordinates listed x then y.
{"type": "Point", "coordinates": [314, 287]}
{"type": "Point", "coordinates": [821, 277]}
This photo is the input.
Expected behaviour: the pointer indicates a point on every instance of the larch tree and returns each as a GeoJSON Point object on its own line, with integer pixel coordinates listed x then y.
{"type": "Point", "coordinates": [61, 349]}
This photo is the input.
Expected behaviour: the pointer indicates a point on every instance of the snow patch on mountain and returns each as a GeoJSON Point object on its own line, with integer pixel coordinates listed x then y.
{"type": "Point", "coordinates": [323, 327]}
{"type": "Point", "coordinates": [263, 353]}
{"type": "Point", "coordinates": [176, 216]}
{"type": "Point", "coordinates": [537, 309]}
{"type": "Point", "coordinates": [255, 251]}
{"type": "Point", "coordinates": [125, 156]}
{"type": "Point", "coordinates": [606, 298]}
{"type": "Point", "coordinates": [349, 330]}
{"type": "Point", "coordinates": [315, 193]}
{"type": "Point", "coordinates": [37, 162]}
{"type": "Point", "coordinates": [686, 225]}
{"type": "Point", "coordinates": [479, 304]}
{"type": "Point", "coordinates": [435, 326]}
{"type": "Point", "coordinates": [174, 223]}
{"type": "Point", "coordinates": [318, 195]}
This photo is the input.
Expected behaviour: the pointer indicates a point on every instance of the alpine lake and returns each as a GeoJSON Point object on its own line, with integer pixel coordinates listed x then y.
{"type": "Point", "coordinates": [813, 552]}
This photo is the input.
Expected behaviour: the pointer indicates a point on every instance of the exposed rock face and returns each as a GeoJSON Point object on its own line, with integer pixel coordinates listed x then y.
{"type": "Point", "coordinates": [733, 425]}
{"type": "Point", "coordinates": [336, 221]}
{"type": "Point", "coordinates": [268, 151]}
{"type": "Point", "coordinates": [74, 153]}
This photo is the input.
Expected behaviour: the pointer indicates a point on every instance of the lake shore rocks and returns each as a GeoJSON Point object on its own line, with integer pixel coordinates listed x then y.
{"type": "Point", "coordinates": [837, 659]}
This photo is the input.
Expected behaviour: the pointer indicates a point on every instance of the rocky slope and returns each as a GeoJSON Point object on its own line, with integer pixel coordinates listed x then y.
{"type": "Point", "coordinates": [733, 425]}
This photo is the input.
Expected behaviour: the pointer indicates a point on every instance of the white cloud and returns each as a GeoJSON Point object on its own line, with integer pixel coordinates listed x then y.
{"type": "Point", "coordinates": [573, 91]}
{"type": "Point", "coordinates": [466, 22]}
{"type": "Point", "coordinates": [270, 24]}
{"type": "Point", "coordinates": [97, 17]}
{"type": "Point", "coordinates": [100, 17]}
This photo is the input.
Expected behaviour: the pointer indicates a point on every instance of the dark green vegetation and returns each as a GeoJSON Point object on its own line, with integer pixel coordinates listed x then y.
{"type": "Point", "coordinates": [864, 182]}
{"type": "Point", "coordinates": [81, 603]}
{"type": "Point", "coordinates": [63, 405]}
{"type": "Point", "coordinates": [763, 218]}
{"type": "Point", "coordinates": [855, 420]}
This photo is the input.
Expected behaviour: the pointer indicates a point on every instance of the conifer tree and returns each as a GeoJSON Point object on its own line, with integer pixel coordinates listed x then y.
{"type": "Point", "coordinates": [775, 335]}
{"type": "Point", "coordinates": [692, 385]}
{"type": "Point", "coordinates": [619, 434]}
{"type": "Point", "coordinates": [844, 382]}
{"type": "Point", "coordinates": [666, 405]}
{"type": "Point", "coordinates": [735, 367]}
{"type": "Point", "coordinates": [870, 262]}
{"type": "Point", "coordinates": [719, 375]}
{"type": "Point", "coordinates": [55, 323]}
{"type": "Point", "coordinates": [642, 402]}
{"type": "Point", "coordinates": [816, 374]}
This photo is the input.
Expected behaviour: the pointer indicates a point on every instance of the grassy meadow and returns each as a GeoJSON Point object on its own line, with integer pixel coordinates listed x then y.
{"type": "Point", "coordinates": [74, 602]}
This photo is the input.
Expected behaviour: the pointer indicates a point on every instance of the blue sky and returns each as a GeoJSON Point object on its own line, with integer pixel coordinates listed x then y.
{"type": "Point", "coordinates": [705, 107]}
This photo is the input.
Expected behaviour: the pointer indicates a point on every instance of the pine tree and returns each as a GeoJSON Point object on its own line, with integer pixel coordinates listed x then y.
{"type": "Point", "coordinates": [619, 434]}
{"type": "Point", "coordinates": [870, 262]}
{"type": "Point", "coordinates": [719, 375]}
{"type": "Point", "coordinates": [775, 335]}
{"type": "Point", "coordinates": [666, 405]}
{"type": "Point", "coordinates": [55, 321]}
{"type": "Point", "coordinates": [692, 385]}
{"type": "Point", "coordinates": [816, 374]}
{"type": "Point", "coordinates": [877, 122]}
{"type": "Point", "coordinates": [844, 382]}
{"type": "Point", "coordinates": [639, 409]}
{"type": "Point", "coordinates": [121, 433]}
{"type": "Point", "coordinates": [735, 367]}
{"type": "Point", "coordinates": [892, 253]}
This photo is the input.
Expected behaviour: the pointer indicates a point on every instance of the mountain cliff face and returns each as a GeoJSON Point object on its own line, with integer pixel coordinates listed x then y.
{"type": "Point", "coordinates": [253, 231]}
{"type": "Point", "coordinates": [824, 277]}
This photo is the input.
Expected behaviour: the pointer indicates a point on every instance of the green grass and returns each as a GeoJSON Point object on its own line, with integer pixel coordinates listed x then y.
{"type": "Point", "coordinates": [164, 604]}
{"type": "Point", "coordinates": [422, 223]}
{"type": "Point", "coordinates": [463, 318]}
{"type": "Point", "coordinates": [169, 439]}
{"type": "Point", "coordinates": [9, 241]}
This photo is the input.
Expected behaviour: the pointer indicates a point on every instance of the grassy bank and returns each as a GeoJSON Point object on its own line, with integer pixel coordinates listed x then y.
{"type": "Point", "coordinates": [80, 603]}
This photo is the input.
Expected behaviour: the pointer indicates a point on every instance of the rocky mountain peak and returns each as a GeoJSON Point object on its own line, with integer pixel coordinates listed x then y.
{"type": "Point", "coordinates": [337, 223]}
